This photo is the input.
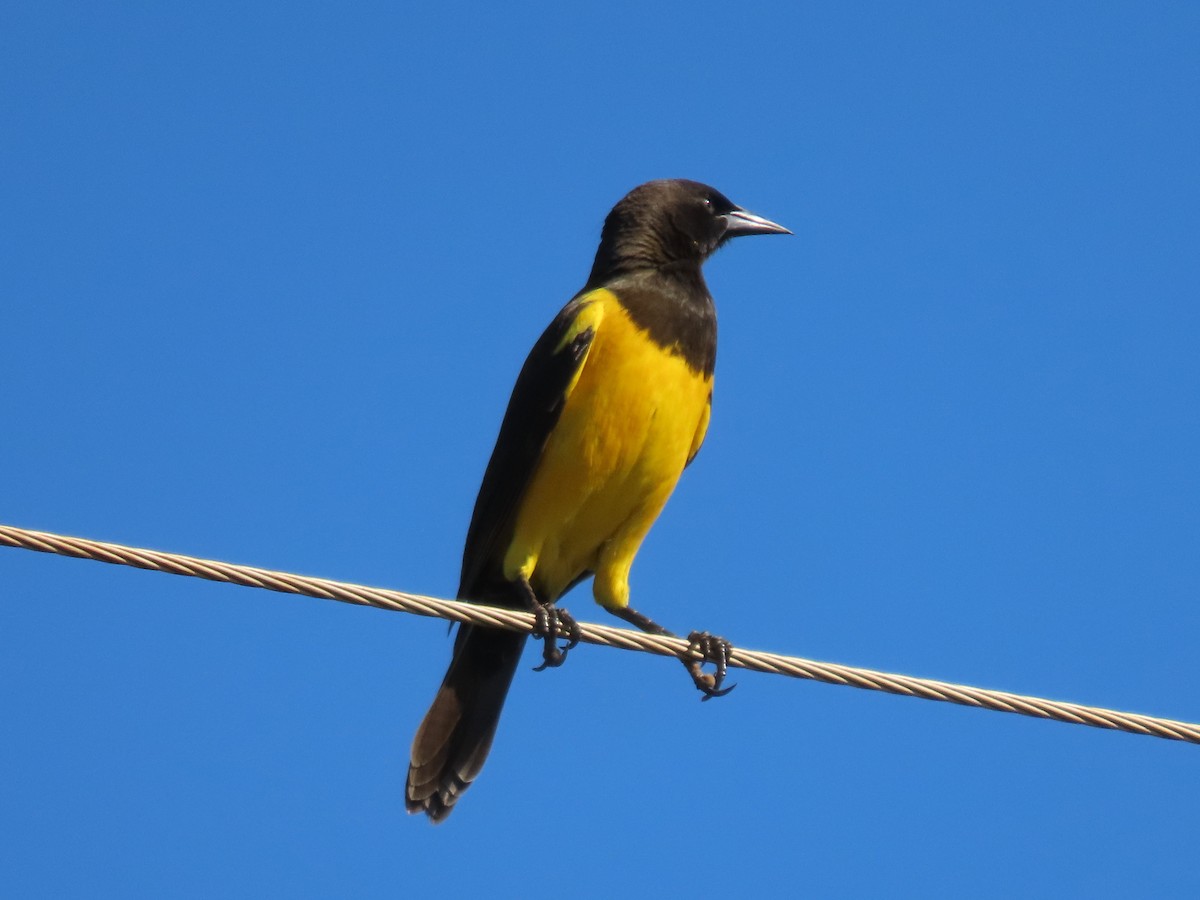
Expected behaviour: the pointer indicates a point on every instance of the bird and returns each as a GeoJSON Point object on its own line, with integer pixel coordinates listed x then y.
{"type": "Point", "coordinates": [611, 405]}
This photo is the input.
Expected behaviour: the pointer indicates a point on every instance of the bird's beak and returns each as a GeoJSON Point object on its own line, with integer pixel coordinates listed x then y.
{"type": "Point", "coordinates": [740, 222]}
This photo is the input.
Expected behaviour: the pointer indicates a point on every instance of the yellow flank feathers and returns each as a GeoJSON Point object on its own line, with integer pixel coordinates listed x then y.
{"type": "Point", "coordinates": [634, 416]}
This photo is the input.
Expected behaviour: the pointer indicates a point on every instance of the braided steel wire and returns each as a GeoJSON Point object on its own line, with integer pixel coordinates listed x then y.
{"type": "Point", "coordinates": [515, 620]}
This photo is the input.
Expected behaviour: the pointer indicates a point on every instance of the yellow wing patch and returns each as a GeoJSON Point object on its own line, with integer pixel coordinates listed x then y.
{"type": "Point", "coordinates": [590, 315]}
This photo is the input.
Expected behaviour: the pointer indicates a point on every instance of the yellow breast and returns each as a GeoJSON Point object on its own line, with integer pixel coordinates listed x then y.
{"type": "Point", "coordinates": [634, 416]}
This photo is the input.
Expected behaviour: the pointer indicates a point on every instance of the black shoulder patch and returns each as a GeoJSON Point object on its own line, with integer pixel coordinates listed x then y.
{"type": "Point", "coordinates": [580, 343]}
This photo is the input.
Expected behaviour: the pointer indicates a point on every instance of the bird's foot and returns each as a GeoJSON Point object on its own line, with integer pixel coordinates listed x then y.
{"type": "Point", "coordinates": [551, 624]}
{"type": "Point", "coordinates": [709, 649]}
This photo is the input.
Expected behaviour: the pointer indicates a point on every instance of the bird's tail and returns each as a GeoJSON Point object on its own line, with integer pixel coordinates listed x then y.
{"type": "Point", "coordinates": [456, 734]}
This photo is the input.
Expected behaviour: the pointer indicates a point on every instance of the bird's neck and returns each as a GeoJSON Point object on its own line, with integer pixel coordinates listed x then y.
{"type": "Point", "coordinates": [681, 276]}
{"type": "Point", "coordinates": [673, 306]}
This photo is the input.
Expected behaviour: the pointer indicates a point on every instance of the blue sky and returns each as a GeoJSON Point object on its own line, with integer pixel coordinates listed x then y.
{"type": "Point", "coordinates": [268, 272]}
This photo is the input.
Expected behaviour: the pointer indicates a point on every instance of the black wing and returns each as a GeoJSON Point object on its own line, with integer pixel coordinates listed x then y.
{"type": "Point", "coordinates": [533, 410]}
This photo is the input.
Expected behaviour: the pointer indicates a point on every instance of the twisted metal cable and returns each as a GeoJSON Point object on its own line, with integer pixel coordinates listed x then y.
{"type": "Point", "coordinates": [514, 620]}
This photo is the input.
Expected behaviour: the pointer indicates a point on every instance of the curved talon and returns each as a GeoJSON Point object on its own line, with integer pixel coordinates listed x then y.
{"type": "Point", "coordinates": [551, 623]}
{"type": "Point", "coordinates": [709, 693]}
{"type": "Point", "coordinates": [714, 650]}
{"type": "Point", "coordinates": [552, 658]}
{"type": "Point", "coordinates": [568, 625]}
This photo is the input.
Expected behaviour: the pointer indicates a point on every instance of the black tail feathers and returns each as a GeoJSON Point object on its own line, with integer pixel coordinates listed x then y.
{"type": "Point", "coordinates": [456, 734]}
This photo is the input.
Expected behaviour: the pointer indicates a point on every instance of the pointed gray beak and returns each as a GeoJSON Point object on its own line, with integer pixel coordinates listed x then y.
{"type": "Point", "coordinates": [740, 222]}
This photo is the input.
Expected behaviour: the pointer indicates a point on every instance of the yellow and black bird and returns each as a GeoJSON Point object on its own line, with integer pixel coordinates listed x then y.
{"type": "Point", "coordinates": [611, 405]}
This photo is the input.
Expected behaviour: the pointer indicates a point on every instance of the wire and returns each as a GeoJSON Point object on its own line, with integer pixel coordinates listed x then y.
{"type": "Point", "coordinates": [514, 620]}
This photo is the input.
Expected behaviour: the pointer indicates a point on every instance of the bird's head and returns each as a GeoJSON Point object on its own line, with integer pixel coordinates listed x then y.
{"type": "Point", "coordinates": [672, 223]}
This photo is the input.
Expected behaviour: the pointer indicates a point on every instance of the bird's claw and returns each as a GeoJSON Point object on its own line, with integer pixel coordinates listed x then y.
{"type": "Point", "coordinates": [551, 623]}
{"type": "Point", "coordinates": [709, 649]}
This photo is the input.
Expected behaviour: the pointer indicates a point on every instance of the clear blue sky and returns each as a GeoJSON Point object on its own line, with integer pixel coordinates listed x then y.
{"type": "Point", "coordinates": [267, 273]}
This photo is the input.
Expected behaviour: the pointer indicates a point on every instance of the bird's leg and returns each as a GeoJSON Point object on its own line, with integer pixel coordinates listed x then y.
{"type": "Point", "coordinates": [550, 624]}
{"type": "Point", "coordinates": [700, 644]}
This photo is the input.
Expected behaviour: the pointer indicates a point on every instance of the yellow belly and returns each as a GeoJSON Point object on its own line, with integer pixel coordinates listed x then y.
{"type": "Point", "coordinates": [633, 418]}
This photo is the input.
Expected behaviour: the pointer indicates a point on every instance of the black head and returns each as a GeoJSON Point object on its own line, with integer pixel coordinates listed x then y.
{"type": "Point", "coordinates": [673, 223]}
